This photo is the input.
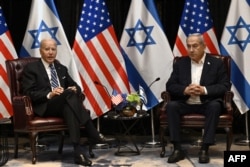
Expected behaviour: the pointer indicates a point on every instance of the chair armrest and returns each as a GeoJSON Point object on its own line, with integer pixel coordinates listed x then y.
{"type": "Point", "coordinates": [228, 98]}
{"type": "Point", "coordinates": [166, 98]}
{"type": "Point", "coordinates": [23, 111]}
{"type": "Point", "coordinates": [82, 96]}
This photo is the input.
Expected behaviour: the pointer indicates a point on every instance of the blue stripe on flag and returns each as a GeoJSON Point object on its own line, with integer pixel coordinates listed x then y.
{"type": "Point", "coordinates": [243, 88]}
{"type": "Point", "coordinates": [23, 53]}
{"type": "Point", "coordinates": [52, 7]}
{"type": "Point", "coordinates": [151, 9]}
{"type": "Point", "coordinates": [248, 1]}
{"type": "Point", "coordinates": [237, 77]}
{"type": "Point", "coordinates": [136, 79]}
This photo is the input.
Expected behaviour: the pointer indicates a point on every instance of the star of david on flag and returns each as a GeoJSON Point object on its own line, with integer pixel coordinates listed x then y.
{"type": "Point", "coordinates": [235, 41]}
{"type": "Point", "coordinates": [146, 50]}
{"type": "Point", "coordinates": [44, 22]}
{"type": "Point", "coordinates": [196, 18]}
{"type": "Point", "coordinates": [140, 45]}
{"type": "Point", "coordinates": [8, 52]}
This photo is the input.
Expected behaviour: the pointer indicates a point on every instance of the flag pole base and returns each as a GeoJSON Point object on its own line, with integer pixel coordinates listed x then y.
{"type": "Point", "coordinates": [242, 142]}
{"type": "Point", "coordinates": [152, 144]}
{"type": "Point", "coordinates": [197, 143]}
{"type": "Point", "coordinates": [101, 146]}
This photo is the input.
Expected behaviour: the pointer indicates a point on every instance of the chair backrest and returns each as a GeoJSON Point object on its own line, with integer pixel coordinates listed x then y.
{"type": "Point", "coordinates": [14, 70]}
{"type": "Point", "coordinates": [226, 60]}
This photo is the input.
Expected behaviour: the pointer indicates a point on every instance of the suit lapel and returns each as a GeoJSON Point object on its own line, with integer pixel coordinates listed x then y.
{"type": "Point", "coordinates": [43, 71]}
{"type": "Point", "coordinates": [207, 65]}
{"type": "Point", "coordinates": [187, 67]}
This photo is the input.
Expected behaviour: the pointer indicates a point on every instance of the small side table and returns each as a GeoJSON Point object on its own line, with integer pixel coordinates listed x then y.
{"type": "Point", "coordinates": [4, 148]}
{"type": "Point", "coordinates": [127, 127]}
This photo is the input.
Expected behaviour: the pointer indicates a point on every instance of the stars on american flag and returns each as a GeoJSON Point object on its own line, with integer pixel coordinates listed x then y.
{"type": "Point", "coordinates": [94, 19]}
{"type": "Point", "coordinates": [116, 98]}
{"type": "Point", "coordinates": [3, 25]}
{"type": "Point", "coordinates": [197, 17]}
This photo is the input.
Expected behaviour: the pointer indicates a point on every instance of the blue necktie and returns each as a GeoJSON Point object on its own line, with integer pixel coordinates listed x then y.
{"type": "Point", "coordinates": [53, 81]}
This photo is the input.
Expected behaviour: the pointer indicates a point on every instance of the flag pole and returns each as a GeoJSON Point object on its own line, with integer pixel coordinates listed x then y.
{"type": "Point", "coordinates": [100, 145]}
{"type": "Point", "coordinates": [244, 141]}
{"type": "Point", "coordinates": [153, 142]}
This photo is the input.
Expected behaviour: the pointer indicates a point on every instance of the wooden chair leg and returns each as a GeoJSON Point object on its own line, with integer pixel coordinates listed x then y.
{"type": "Point", "coordinates": [229, 138]}
{"type": "Point", "coordinates": [16, 145]}
{"type": "Point", "coordinates": [60, 148]}
{"type": "Point", "coordinates": [162, 139]}
{"type": "Point", "coordinates": [33, 136]}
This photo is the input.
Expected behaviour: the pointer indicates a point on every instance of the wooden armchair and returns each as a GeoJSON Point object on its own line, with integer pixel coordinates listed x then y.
{"type": "Point", "coordinates": [197, 120]}
{"type": "Point", "coordinates": [24, 119]}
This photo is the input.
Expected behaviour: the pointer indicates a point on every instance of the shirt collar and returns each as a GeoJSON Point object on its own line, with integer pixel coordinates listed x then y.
{"type": "Point", "coordinates": [46, 65]}
{"type": "Point", "coordinates": [201, 61]}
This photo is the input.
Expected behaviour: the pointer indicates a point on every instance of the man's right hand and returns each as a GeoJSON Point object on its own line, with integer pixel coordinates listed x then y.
{"type": "Point", "coordinates": [194, 90]}
{"type": "Point", "coordinates": [56, 91]}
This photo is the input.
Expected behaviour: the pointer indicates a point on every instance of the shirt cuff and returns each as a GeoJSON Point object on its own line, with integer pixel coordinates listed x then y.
{"type": "Point", "coordinates": [205, 90]}
{"type": "Point", "coordinates": [48, 95]}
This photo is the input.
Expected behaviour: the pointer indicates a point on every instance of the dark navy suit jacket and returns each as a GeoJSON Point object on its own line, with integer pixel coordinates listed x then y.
{"type": "Point", "coordinates": [36, 83]}
{"type": "Point", "coordinates": [214, 78]}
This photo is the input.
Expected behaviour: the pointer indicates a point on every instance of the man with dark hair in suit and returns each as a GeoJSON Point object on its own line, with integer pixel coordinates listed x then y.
{"type": "Point", "coordinates": [59, 95]}
{"type": "Point", "coordinates": [197, 84]}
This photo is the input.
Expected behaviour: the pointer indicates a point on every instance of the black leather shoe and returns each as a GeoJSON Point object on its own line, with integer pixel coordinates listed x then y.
{"type": "Point", "coordinates": [203, 156]}
{"type": "Point", "coordinates": [176, 156]}
{"type": "Point", "coordinates": [81, 159]}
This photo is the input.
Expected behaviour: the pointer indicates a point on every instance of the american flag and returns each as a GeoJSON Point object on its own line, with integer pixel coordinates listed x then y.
{"type": "Point", "coordinates": [98, 57]}
{"type": "Point", "coordinates": [116, 98]}
{"type": "Point", "coordinates": [196, 18]}
{"type": "Point", "coordinates": [235, 42]}
{"type": "Point", "coordinates": [7, 52]}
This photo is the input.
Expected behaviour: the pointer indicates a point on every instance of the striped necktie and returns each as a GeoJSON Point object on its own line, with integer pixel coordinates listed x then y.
{"type": "Point", "coordinates": [53, 81]}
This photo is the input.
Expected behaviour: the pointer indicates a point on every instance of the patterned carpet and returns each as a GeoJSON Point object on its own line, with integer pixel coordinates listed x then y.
{"type": "Point", "coordinates": [105, 157]}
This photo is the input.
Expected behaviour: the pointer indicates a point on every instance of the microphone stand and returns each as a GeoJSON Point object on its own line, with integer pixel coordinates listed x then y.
{"type": "Point", "coordinates": [101, 145]}
{"type": "Point", "coordinates": [153, 142]}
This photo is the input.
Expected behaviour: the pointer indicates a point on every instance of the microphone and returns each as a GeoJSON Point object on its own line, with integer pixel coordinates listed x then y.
{"type": "Point", "coordinates": [112, 106]}
{"type": "Point", "coordinates": [148, 89]}
{"type": "Point", "coordinates": [157, 79]}
{"type": "Point", "coordinates": [98, 83]}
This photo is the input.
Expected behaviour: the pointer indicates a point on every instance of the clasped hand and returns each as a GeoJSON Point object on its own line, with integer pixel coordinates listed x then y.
{"type": "Point", "coordinates": [60, 90]}
{"type": "Point", "coordinates": [194, 90]}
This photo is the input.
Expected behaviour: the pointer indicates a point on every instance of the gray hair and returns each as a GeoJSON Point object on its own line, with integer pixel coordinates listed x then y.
{"type": "Point", "coordinates": [200, 36]}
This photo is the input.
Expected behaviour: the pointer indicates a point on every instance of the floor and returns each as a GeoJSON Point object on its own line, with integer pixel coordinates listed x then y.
{"type": "Point", "coordinates": [105, 155]}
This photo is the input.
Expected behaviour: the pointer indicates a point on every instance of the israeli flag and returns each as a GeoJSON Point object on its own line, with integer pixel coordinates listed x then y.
{"type": "Point", "coordinates": [146, 50]}
{"type": "Point", "coordinates": [235, 42]}
{"type": "Point", "coordinates": [142, 95]}
{"type": "Point", "coordinates": [44, 22]}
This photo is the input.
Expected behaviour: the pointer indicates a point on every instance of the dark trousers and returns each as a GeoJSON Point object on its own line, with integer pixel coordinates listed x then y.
{"type": "Point", "coordinates": [69, 106]}
{"type": "Point", "coordinates": [211, 110]}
